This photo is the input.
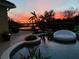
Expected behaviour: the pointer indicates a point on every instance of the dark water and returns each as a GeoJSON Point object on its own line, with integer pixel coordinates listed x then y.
{"type": "Point", "coordinates": [55, 50]}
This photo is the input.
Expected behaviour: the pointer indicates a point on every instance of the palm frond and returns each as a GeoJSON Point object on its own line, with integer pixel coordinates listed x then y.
{"type": "Point", "coordinates": [51, 13]}
{"type": "Point", "coordinates": [34, 14]}
{"type": "Point", "coordinates": [46, 14]}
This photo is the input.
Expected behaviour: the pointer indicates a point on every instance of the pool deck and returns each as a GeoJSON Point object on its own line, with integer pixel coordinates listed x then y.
{"type": "Point", "coordinates": [14, 39]}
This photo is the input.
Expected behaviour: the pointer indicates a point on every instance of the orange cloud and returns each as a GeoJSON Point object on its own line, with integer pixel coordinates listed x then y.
{"type": "Point", "coordinates": [59, 15]}
{"type": "Point", "coordinates": [21, 17]}
{"type": "Point", "coordinates": [24, 17]}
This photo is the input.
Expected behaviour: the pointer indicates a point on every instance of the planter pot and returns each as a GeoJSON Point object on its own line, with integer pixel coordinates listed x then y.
{"type": "Point", "coordinates": [32, 41]}
{"type": "Point", "coordinates": [6, 36]}
{"type": "Point", "coordinates": [15, 30]}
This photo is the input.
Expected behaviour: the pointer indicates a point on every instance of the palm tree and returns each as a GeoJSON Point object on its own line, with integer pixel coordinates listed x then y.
{"type": "Point", "coordinates": [50, 19]}
{"type": "Point", "coordinates": [46, 19]}
{"type": "Point", "coordinates": [51, 13]}
{"type": "Point", "coordinates": [47, 15]}
{"type": "Point", "coordinates": [69, 13]}
{"type": "Point", "coordinates": [32, 18]}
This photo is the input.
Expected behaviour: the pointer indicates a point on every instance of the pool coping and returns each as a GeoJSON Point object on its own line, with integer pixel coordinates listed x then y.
{"type": "Point", "coordinates": [7, 52]}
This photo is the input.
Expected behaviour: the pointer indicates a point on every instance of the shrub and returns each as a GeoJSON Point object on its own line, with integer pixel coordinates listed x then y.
{"type": "Point", "coordinates": [31, 37]}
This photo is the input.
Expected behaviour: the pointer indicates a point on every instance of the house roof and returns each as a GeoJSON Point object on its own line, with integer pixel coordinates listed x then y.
{"type": "Point", "coordinates": [7, 4]}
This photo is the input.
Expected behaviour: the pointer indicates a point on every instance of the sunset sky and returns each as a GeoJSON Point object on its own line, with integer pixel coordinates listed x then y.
{"type": "Point", "coordinates": [24, 7]}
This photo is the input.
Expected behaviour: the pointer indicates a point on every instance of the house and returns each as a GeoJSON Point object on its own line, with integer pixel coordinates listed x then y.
{"type": "Point", "coordinates": [5, 6]}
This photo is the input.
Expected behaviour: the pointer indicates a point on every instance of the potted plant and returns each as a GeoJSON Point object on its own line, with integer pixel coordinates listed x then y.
{"type": "Point", "coordinates": [32, 45]}
{"type": "Point", "coordinates": [31, 37]}
{"type": "Point", "coordinates": [32, 41]}
{"type": "Point", "coordinates": [6, 36]}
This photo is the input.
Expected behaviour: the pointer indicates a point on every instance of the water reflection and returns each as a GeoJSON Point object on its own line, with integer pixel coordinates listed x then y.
{"type": "Point", "coordinates": [56, 50]}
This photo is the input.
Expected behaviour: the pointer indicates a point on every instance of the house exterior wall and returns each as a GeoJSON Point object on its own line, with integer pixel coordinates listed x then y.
{"type": "Point", "coordinates": [3, 20]}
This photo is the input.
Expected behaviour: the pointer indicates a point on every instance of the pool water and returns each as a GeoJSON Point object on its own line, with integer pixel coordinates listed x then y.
{"type": "Point", "coordinates": [55, 50]}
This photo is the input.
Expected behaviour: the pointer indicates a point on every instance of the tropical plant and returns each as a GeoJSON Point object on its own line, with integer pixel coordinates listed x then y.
{"type": "Point", "coordinates": [6, 36]}
{"type": "Point", "coordinates": [33, 18]}
{"type": "Point", "coordinates": [69, 13]}
{"type": "Point", "coordinates": [76, 20]}
{"type": "Point", "coordinates": [47, 19]}
{"type": "Point", "coordinates": [31, 37]}
{"type": "Point", "coordinates": [47, 15]}
{"type": "Point", "coordinates": [34, 55]}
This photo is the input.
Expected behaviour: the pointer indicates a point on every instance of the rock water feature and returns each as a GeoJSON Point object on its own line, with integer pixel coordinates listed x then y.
{"type": "Point", "coordinates": [50, 50]}
{"type": "Point", "coordinates": [65, 36]}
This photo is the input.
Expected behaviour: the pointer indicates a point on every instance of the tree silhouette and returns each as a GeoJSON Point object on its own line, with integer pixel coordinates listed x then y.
{"type": "Point", "coordinates": [48, 15]}
{"type": "Point", "coordinates": [50, 19]}
{"type": "Point", "coordinates": [76, 20]}
{"type": "Point", "coordinates": [32, 18]}
{"type": "Point", "coordinates": [46, 20]}
{"type": "Point", "coordinates": [69, 13]}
